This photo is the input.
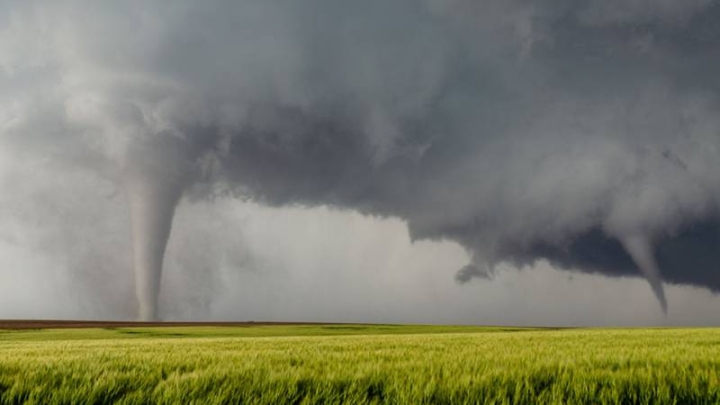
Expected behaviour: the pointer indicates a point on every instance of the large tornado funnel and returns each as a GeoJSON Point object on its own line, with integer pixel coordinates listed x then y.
{"type": "Point", "coordinates": [155, 176]}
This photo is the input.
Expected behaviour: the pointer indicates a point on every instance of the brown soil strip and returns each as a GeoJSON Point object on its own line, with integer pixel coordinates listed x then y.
{"type": "Point", "coordinates": [64, 324]}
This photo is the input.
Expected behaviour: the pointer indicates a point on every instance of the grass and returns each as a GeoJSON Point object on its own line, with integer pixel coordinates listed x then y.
{"type": "Point", "coordinates": [360, 364]}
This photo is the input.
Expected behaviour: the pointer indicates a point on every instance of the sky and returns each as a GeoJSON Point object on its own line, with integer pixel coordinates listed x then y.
{"type": "Point", "coordinates": [431, 161]}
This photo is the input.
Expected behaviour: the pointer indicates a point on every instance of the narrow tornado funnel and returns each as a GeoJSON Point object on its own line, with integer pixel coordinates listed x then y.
{"type": "Point", "coordinates": [640, 250]}
{"type": "Point", "coordinates": [155, 176]}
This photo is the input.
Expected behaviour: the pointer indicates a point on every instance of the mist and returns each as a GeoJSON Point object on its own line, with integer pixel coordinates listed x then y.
{"type": "Point", "coordinates": [561, 138]}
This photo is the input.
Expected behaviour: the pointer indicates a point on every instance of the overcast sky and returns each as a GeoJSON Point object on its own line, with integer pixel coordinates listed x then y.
{"type": "Point", "coordinates": [444, 161]}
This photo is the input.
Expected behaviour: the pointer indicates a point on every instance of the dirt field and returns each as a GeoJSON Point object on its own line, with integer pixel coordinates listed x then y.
{"type": "Point", "coordinates": [63, 324]}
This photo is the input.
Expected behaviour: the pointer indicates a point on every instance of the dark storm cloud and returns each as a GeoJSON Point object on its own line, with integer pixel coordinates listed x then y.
{"type": "Point", "coordinates": [585, 133]}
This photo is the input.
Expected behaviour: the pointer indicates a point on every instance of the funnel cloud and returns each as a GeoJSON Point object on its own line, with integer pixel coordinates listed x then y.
{"type": "Point", "coordinates": [154, 179]}
{"type": "Point", "coordinates": [581, 134]}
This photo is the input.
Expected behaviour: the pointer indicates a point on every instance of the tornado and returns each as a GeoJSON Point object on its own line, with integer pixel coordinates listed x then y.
{"type": "Point", "coordinates": [575, 133]}
{"type": "Point", "coordinates": [155, 176]}
{"type": "Point", "coordinates": [640, 250]}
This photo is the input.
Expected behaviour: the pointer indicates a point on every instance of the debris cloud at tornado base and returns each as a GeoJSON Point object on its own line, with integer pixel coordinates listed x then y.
{"type": "Point", "coordinates": [586, 134]}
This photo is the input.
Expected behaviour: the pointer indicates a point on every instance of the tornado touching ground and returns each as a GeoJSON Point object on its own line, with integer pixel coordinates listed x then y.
{"type": "Point", "coordinates": [155, 175]}
{"type": "Point", "coordinates": [584, 135]}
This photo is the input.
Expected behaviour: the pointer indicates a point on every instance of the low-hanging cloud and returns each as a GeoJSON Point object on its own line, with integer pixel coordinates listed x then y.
{"type": "Point", "coordinates": [583, 133]}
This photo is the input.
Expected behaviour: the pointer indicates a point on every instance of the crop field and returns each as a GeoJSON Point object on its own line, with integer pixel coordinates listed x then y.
{"type": "Point", "coordinates": [359, 364]}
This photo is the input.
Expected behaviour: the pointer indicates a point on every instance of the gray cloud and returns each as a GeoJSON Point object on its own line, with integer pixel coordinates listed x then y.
{"type": "Point", "coordinates": [575, 132]}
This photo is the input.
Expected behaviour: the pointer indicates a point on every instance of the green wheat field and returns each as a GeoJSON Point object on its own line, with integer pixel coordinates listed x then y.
{"type": "Point", "coordinates": [359, 364]}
